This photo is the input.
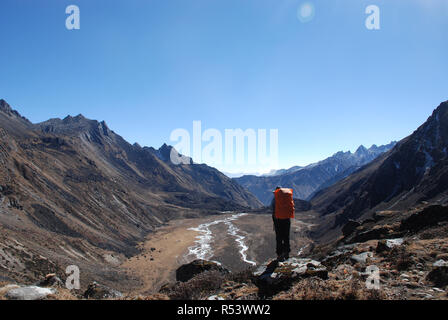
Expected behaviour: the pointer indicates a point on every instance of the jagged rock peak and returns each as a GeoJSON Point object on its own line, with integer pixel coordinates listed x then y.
{"type": "Point", "coordinates": [78, 118]}
{"type": "Point", "coordinates": [6, 108]}
{"type": "Point", "coordinates": [361, 149]}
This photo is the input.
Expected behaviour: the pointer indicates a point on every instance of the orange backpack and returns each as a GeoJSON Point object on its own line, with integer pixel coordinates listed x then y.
{"type": "Point", "coordinates": [284, 203]}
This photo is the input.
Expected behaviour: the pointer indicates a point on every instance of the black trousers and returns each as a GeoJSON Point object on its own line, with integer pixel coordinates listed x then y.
{"type": "Point", "coordinates": [282, 227]}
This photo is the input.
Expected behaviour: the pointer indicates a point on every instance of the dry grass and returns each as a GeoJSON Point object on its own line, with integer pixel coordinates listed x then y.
{"type": "Point", "coordinates": [156, 296]}
{"type": "Point", "coordinates": [234, 285]}
{"type": "Point", "coordinates": [245, 276]}
{"type": "Point", "coordinates": [201, 286]}
{"type": "Point", "coordinates": [62, 294]}
{"type": "Point", "coordinates": [401, 258]}
{"type": "Point", "coordinates": [3, 290]}
{"type": "Point", "coordinates": [318, 289]}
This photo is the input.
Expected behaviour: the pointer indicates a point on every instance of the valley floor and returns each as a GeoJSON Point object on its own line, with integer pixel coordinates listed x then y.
{"type": "Point", "coordinates": [237, 241]}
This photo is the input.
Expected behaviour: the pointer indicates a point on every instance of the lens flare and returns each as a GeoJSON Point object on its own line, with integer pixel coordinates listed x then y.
{"type": "Point", "coordinates": [305, 12]}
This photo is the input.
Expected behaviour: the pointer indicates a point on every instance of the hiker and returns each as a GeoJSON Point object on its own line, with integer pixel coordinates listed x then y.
{"type": "Point", "coordinates": [282, 212]}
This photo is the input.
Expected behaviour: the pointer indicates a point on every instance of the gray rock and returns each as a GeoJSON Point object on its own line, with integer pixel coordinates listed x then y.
{"type": "Point", "coordinates": [344, 272]}
{"type": "Point", "coordinates": [440, 263]}
{"type": "Point", "coordinates": [362, 257]}
{"type": "Point", "coordinates": [215, 297]}
{"type": "Point", "coordinates": [99, 291]}
{"type": "Point", "coordinates": [278, 276]}
{"type": "Point", "coordinates": [387, 244]}
{"type": "Point", "coordinates": [51, 280]}
{"type": "Point", "coordinates": [390, 243]}
{"type": "Point", "coordinates": [439, 275]}
{"type": "Point", "coordinates": [188, 271]}
{"type": "Point", "coordinates": [29, 293]}
{"type": "Point", "coordinates": [350, 227]}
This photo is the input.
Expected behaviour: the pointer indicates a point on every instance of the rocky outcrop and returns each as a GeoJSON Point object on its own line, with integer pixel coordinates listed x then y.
{"type": "Point", "coordinates": [308, 180]}
{"type": "Point", "coordinates": [350, 227]}
{"type": "Point", "coordinates": [413, 172]}
{"type": "Point", "coordinates": [388, 244]}
{"type": "Point", "coordinates": [301, 205]}
{"type": "Point", "coordinates": [28, 293]}
{"type": "Point", "coordinates": [51, 280]}
{"type": "Point", "coordinates": [439, 274]}
{"type": "Point", "coordinates": [83, 191]}
{"type": "Point", "coordinates": [188, 271]}
{"type": "Point", "coordinates": [98, 291]}
{"type": "Point", "coordinates": [279, 276]}
{"type": "Point", "coordinates": [428, 217]}
{"type": "Point", "coordinates": [377, 232]}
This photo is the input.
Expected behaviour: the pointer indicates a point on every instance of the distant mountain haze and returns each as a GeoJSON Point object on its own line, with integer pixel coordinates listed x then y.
{"type": "Point", "coordinates": [308, 180]}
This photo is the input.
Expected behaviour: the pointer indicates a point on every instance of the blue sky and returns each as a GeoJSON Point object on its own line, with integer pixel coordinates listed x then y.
{"type": "Point", "coordinates": [147, 67]}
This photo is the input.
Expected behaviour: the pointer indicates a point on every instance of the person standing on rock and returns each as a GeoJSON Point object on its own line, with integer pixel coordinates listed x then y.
{"type": "Point", "coordinates": [282, 212]}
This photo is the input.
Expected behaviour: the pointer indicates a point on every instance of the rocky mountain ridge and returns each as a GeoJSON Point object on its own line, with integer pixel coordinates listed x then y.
{"type": "Point", "coordinates": [413, 173]}
{"type": "Point", "coordinates": [306, 181]}
{"type": "Point", "coordinates": [72, 190]}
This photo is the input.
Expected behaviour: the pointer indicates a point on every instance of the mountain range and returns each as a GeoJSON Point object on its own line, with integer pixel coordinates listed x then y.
{"type": "Point", "coordinates": [413, 173]}
{"type": "Point", "coordinates": [306, 181]}
{"type": "Point", "coordinates": [73, 190]}
{"type": "Point", "coordinates": [74, 185]}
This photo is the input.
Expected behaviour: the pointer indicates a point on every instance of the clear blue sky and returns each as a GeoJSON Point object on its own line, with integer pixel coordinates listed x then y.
{"type": "Point", "coordinates": [147, 67]}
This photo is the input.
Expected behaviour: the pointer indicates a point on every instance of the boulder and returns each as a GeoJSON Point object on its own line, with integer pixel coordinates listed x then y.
{"type": "Point", "coordinates": [438, 276]}
{"type": "Point", "coordinates": [279, 276]}
{"type": "Point", "coordinates": [394, 242]}
{"type": "Point", "coordinates": [51, 280]}
{"type": "Point", "coordinates": [29, 293]}
{"type": "Point", "coordinates": [99, 291]}
{"type": "Point", "coordinates": [350, 227]}
{"type": "Point", "coordinates": [188, 271]}
{"type": "Point", "coordinates": [215, 297]}
{"type": "Point", "coordinates": [440, 263]}
{"type": "Point", "coordinates": [362, 257]}
{"type": "Point", "coordinates": [428, 217]}
{"type": "Point", "coordinates": [377, 232]}
{"type": "Point", "coordinates": [382, 246]}
{"type": "Point", "coordinates": [387, 244]}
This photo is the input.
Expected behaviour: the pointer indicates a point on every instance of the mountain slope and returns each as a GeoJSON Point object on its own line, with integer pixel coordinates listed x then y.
{"type": "Point", "coordinates": [414, 171]}
{"type": "Point", "coordinates": [310, 179]}
{"type": "Point", "coordinates": [84, 193]}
